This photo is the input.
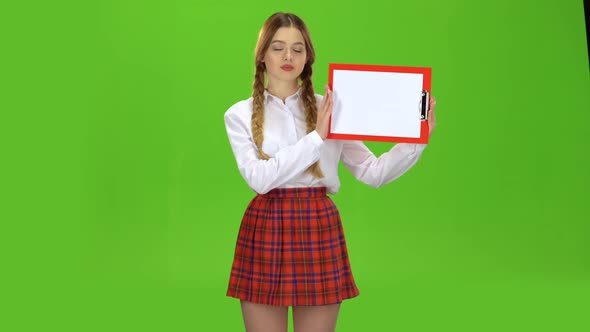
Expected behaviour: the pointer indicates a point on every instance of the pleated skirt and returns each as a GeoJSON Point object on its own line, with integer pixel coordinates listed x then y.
{"type": "Point", "coordinates": [291, 251]}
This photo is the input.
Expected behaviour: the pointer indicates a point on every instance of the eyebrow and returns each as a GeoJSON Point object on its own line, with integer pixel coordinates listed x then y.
{"type": "Point", "coordinates": [282, 42]}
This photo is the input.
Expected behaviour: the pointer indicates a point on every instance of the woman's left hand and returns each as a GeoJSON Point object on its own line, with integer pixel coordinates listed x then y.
{"type": "Point", "coordinates": [431, 116]}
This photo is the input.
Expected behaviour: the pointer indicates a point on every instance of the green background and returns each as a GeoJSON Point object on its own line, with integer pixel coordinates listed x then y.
{"type": "Point", "coordinates": [122, 199]}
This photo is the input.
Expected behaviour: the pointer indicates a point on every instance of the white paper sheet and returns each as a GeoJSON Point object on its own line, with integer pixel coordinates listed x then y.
{"type": "Point", "coordinates": [376, 103]}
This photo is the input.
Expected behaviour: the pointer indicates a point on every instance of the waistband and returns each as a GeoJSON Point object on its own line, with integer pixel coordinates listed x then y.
{"type": "Point", "coordinates": [295, 192]}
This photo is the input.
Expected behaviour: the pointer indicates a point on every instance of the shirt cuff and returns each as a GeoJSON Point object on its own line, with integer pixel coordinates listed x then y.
{"type": "Point", "coordinates": [315, 138]}
{"type": "Point", "coordinates": [420, 147]}
{"type": "Point", "coordinates": [411, 148]}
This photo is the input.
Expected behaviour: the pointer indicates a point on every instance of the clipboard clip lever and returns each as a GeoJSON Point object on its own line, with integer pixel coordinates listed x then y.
{"type": "Point", "coordinates": [424, 105]}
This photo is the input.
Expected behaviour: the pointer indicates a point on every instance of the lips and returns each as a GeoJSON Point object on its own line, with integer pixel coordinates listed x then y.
{"type": "Point", "coordinates": [287, 67]}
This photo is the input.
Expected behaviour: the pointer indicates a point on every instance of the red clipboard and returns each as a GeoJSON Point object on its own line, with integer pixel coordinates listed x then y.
{"type": "Point", "coordinates": [414, 126]}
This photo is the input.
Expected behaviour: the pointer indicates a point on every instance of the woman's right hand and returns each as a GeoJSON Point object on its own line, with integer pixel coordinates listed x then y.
{"type": "Point", "coordinates": [324, 112]}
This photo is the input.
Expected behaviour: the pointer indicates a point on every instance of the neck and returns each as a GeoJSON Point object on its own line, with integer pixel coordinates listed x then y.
{"type": "Point", "coordinates": [282, 89]}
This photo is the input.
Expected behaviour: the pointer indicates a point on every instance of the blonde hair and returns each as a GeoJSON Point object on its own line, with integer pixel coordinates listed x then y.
{"type": "Point", "coordinates": [270, 27]}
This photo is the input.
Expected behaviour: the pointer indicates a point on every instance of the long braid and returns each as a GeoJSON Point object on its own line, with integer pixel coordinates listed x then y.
{"type": "Point", "coordinates": [270, 27]}
{"type": "Point", "coordinates": [258, 110]}
{"type": "Point", "coordinates": [311, 111]}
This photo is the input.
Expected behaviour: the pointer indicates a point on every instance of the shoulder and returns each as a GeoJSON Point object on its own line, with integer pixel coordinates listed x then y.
{"type": "Point", "coordinates": [241, 109]}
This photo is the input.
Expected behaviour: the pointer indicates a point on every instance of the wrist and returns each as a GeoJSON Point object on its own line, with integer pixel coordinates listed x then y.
{"type": "Point", "coordinates": [320, 134]}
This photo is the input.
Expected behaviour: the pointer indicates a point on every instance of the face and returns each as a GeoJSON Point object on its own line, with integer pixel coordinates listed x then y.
{"type": "Point", "coordinates": [286, 55]}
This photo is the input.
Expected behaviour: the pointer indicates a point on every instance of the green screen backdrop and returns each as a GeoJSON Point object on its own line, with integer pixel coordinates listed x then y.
{"type": "Point", "coordinates": [123, 199]}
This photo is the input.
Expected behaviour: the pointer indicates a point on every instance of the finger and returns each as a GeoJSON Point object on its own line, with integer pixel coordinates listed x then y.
{"type": "Point", "coordinates": [327, 97]}
{"type": "Point", "coordinates": [325, 103]}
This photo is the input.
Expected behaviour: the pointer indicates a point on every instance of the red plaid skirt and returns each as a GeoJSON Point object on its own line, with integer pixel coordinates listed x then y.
{"type": "Point", "coordinates": [291, 251]}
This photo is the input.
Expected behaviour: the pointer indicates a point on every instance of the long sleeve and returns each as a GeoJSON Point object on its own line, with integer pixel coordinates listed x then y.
{"type": "Point", "coordinates": [287, 162]}
{"type": "Point", "coordinates": [374, 171]}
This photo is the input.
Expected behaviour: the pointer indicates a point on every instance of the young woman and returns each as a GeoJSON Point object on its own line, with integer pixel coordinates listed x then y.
{"type": "Point", "coordinates": [290, 248]}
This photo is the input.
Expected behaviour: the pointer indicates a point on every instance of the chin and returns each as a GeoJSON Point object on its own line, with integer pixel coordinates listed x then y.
{"type": "Point", "coordinates": [289, 77]}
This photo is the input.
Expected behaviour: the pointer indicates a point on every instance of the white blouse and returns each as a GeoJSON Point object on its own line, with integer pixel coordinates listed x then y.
{"type": "Point", "coordinates": [292, 150]}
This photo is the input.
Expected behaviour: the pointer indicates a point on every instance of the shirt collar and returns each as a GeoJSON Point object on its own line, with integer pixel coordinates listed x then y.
{"type": "Point", "coordinates": [268, 96]}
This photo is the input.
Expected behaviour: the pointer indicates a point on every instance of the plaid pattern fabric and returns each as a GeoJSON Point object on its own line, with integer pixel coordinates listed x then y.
{"type": "Point", "coordinates": [291, 251]}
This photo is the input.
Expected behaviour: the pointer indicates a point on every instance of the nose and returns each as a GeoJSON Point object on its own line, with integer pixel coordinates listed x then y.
{"type": "Point", "coordinates": [288, 55]}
